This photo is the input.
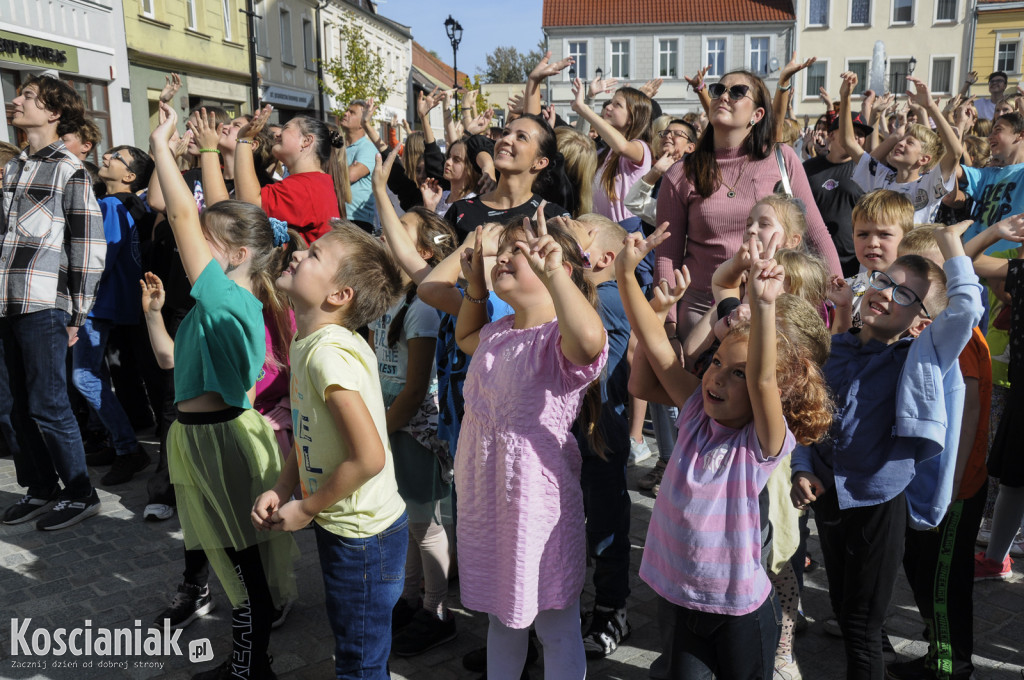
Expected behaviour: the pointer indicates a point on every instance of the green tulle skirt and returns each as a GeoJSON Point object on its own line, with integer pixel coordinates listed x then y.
{"type": "Point", "coordinates": [218, 470]}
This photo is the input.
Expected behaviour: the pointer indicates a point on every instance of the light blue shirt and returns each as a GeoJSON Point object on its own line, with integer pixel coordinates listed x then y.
{"type": "Point", "coordinates": [997, 193]}
{"type": "Point", "coordinates": [362, 208]}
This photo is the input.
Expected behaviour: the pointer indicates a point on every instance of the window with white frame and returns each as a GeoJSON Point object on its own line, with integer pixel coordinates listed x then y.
{"type": "Point", "coordinates": [945, 10]}
{"type": "Point", "coordinates": [902, 11]}
{"type": "Point", "coordinates": [942, 75]}
{"type": "Point", "coordinates": [760, 50]}
{"type": "Point", "coordinates": [668, 57]}
{"type": "Point", "coordinates": [620, 59]}
{"type": "Point", "coordinates": [191, 15]}
{"type": "Point", "coordinates": [308, 46]}
{"type": "Point", "coordinates": [1007, 54]}
{"type": "Point", "coordinates": [860, 12]}
{"type": "Point", "coordinates": [147, 8]}
{"type": "Point", "coordinates": [817, 12]}
{"type": "Point", "coordinates": [286, 37]}
{"type": "Point", "coordinates": [228, 17]}
{"type": "Point", "coordinates": [262, 41]}
{"type": "Point", "coordinates": [578, 51]}
{"type": "Point", "coordinates": [899, 69]}
{"type": "Point", "coordinates": [817, 76]}
{"type": "Point", "coordinates": [715, 57]}
{"type": "Point", "coordinates": [860, 67]}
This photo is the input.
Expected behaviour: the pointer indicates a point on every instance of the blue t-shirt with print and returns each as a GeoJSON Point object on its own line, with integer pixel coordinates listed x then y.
{"type": "Point", "coordinates": [997, 193]}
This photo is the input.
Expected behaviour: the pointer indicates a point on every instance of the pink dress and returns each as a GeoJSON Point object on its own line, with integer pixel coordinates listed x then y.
{"type": "Point", "coordinates": [521, 531]}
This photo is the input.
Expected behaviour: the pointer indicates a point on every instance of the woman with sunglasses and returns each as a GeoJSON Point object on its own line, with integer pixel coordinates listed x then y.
{"type": "Point", "coordinates": [706, 198]}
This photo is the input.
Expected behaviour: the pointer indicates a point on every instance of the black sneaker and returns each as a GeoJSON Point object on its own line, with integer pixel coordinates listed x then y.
{"type": "Point", "coordinates": [104, 456]}
{"type": "Point", "coordinates": [424, 632]}
{"type": "Point", "coordinates": [125, 467]}
{"type": "Point", "coordinates": [189, 603]}
{"type": "Point", "coordinates": [95, 440]}
{"type": "Point", "coordinates": [69, 511]}
{"type": "Point", "coordinates": [29, 507]}
{"type": "Point", "coordinates": [401, 615]}
{"type": "Point", "coordinates": [916, 669]}
{"type": "Point", "coordinates": [607, 629]}
{"type": "Point", "coordinates": [226, 671]}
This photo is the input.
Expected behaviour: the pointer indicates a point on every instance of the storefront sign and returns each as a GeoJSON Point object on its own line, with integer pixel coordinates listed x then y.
{"type": "Point", "coordinates": [284, 97]}
{"type": "Point", "coordinates": [22, 49]}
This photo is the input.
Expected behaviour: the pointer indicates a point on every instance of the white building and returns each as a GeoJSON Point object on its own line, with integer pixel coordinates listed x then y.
{"type": "Point", "coordinates": [926, 35]}
{"type": "Point", "coordinates": [635, 42]}
{"type": "Point", "coordinates": [81, 41]}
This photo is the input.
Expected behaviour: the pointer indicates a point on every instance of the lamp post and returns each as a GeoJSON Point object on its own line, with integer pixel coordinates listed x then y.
{"type": "Point", "coordinates": [454, 30]}
{"type": "Point", "coordinates": [254, 78]}
{"type": "Point", "coordinates": [319, 64]}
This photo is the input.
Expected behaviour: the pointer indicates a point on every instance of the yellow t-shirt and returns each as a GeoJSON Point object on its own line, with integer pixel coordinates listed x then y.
{"type": "Point", "coordinates": [336, 356]}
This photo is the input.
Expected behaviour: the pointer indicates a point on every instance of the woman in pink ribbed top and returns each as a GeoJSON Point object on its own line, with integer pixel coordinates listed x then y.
{"type": "Point", "coordinates": [706, 198]}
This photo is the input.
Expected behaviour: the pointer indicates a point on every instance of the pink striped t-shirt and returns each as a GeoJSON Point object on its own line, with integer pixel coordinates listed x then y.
{"type": "Point", "coordinates": [703, 548]}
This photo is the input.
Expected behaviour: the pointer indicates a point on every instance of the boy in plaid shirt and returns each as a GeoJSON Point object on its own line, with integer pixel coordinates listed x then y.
{"type": "Point", "coordinates": [51, 259]}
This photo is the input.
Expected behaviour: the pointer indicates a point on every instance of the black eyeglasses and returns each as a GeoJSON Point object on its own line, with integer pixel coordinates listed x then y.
{"type": "Point", "coordinates": [901, 295]}
{"type": "Point", "coordinates": [117, 157]}
{"type": "Point", "coordinates": [736, 92]}
{"type": "Point", "coordinates": [665, 134]}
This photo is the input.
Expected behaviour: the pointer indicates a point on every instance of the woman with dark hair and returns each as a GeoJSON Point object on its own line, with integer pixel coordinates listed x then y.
{"type": "Point", "coordinates": [706, 198]}
{"type": "Point", "coordinates": [316, 188]}
{"type": "Point", "coordinates": [531, 170]}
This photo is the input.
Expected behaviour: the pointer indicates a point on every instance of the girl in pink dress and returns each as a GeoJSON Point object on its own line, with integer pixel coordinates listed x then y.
{"type": "Point", "coordinates": [522, 544]}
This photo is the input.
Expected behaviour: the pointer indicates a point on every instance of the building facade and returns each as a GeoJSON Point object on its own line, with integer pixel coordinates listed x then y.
{"type": "Point", "coordinates": [79, 41]}
{"type": "Point", "coordinates": [286, 56]}
{"type": "Point", "coordinates": [202, 40]}
{"type": "Point", "coordinates": [998, 43]}
{"type": "Point", "coordinates": [924, 38]}
{"type": "Point", "coordinates": [650, 39]}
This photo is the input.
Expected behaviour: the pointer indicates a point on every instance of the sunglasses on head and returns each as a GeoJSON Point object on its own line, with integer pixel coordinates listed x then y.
{"type": "Point", "coordinates": [736, 92]}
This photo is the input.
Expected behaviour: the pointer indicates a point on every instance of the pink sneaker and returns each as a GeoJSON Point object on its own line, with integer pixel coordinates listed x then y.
{"type": "Point", "coordinates": [990, 570]}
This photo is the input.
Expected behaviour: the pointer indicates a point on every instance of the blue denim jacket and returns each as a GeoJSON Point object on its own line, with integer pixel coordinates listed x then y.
{"type": "Point", "coordinates": [898, 407]}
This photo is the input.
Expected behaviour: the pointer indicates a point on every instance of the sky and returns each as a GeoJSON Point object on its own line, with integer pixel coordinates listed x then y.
{"type": "Point", "coordinates": [486, 24]}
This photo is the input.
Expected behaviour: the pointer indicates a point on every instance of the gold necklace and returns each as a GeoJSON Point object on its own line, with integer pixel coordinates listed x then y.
{"type": "Point", "coordinates": [735, 183]}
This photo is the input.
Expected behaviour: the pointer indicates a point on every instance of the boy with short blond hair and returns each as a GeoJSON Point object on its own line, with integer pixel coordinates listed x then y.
{"type": "Point", "coordinates": [342, 457]}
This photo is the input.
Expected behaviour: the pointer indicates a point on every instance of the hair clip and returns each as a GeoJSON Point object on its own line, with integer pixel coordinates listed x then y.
{"type": "Point", "coordinates": [586, 259]}
{"type": "Point", "coordinates": [440, 238]}
{"type": "Point", "coordinates": [280, 228]}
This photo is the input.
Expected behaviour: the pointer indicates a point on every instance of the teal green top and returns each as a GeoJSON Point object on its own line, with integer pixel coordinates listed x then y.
{"type": "Point", "coordinates": [221, 344]}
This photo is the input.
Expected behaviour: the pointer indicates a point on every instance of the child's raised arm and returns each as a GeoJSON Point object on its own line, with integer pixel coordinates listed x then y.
{"type": "Point", "coordinates": [247, 185]}
{"type": "Point", "coordinates": [986, 266]}
{"type": "Point", "coordinates": [397, 237]}
{"type": "Point", "coordinates": [153, 298]}
{"type": "Point", "coordinates": [953, 149]}
{"type": "Point", "coordinates": [207, 133]}
{"type": "Point", "coordinates": [764, 285]}
{"type": "Point", "coordinates": [847, 137]}
{"type": "Point", "coordinates": [583, 334]}
{"type": "Point", "coordinates": [438, 287]}
{"type": "Point", "coordinates": [473, 311]}
{"type": "Point", "coordinates": [632, 149]}
{"type": "Point", "coordinates": [645, 321]}
{"type": "Point", "coordinates": [181, 206]}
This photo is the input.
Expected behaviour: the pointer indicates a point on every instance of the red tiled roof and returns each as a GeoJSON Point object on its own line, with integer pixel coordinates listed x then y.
{"type": "Point", "coordinates": [605, 12]}
{"type": "Point", "coordinates": [432, 66]}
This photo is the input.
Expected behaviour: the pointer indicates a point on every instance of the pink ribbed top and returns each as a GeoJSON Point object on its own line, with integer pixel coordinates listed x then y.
{"type": "Point", "coordinates": [708, 231]}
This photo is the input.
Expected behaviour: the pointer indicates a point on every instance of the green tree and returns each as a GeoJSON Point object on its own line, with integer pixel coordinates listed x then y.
{"type": "Point", "coordinates": [476, 83]}
{"type": "Point", "coordinates": [358, 73]}
{"type": "Point", "coordinates": [506, 65]}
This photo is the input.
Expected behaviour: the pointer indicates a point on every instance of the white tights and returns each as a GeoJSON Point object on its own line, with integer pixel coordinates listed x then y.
{"type": "Point", "coordinates": [559, 633]}
{"type": "Point", "coordinates": [1006, 520]}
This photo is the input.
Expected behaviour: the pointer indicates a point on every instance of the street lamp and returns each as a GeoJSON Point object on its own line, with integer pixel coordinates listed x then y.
{"type": "Point", "coordinates": [320, 5]}
{"type": "Point", "coordinates": [912, 66]}
{"type": "Point", "coordinates": [598, 72]}
{"type": "Point", "coordinates": [454, 30]}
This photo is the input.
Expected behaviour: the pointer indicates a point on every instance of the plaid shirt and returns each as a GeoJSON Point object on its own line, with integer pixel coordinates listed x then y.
{"type": "Point", "coordinates": [53, 245]}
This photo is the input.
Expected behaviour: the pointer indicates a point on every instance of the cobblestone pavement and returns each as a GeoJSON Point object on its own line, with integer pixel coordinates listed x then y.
{"type": "Point", "coordinates": [116, 569]}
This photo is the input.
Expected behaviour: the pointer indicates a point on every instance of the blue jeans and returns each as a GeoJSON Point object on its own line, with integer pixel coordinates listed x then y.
{"type": "Point", "coordinates": [733, 647]}
{"type": "Point", "coordinates": [34, 395]}
{"type": "Point", "coordinates": [89, 373]}
{"type": "Point", "coordinates": [363, 579]}
{"type": "Point", "coordinates": [607, 506]}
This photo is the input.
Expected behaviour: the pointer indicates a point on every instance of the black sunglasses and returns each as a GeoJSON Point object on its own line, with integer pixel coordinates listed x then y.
{"type": "Point", "coordinates": [736, 92]}
{"type": "Point", "coordinates": [117, 157]}
{"type": "Point", "coordinates": [901, 295]}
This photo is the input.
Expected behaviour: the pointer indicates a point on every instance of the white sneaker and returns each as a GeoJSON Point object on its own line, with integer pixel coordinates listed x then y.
{"type": "Point", "coordinates": [156, 512]}
{"type": "Point", "coordinates": [1017, 547]}
{"type": "Point", "coordinates": [639, 451]}
{"type": "Point", "coordinates": [985, 531]}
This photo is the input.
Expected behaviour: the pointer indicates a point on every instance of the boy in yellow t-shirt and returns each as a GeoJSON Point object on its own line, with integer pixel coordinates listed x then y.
{"type": "Point", "coordinates": [342, 458]}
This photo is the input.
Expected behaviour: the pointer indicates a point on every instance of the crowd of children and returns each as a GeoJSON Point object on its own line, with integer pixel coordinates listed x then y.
{"type": "Point", "coordinates": [456, 399]}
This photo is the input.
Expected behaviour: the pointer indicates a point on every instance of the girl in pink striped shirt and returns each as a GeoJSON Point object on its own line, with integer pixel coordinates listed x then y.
{"type": "Point", "coordinates": [760, 396]}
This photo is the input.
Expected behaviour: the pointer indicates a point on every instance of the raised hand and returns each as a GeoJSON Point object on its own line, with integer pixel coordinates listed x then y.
{"type": "Point", "coordinates": [381, 172]}
{"type": "Point", "coordinates": [766, 281]}
{"type": "Point", "coordinates": [920, 96]}
{"type": "Point", "coordinates": [545, 69]}
{"type": "Point", "coordinates": [472, 261]}
{"type": "Point", "coordinates": [823, 95]}
{"type": "Point", "coordinates": [666, 161]}
{"type": "Point", "coordinates": [515, 104]}
{"type": "Point", "coordinates": [839, 292]}
{"type": "Point", "coordinates": [153, 296]}
{"type": "Point", "coordinates": [480, 123]}
{"type": "Point", "coordinates": [542, 251]}
{"type": "Point", "coordinates": [850, 80]}
{"type": "Point", "coordinates": [651, 87]}
{"type": "Point", "coordinates": [602, 86]}
{"type": "Point", "coordinates": [665, 296]}
{"type": "Point", "coordinates": [256, 123]}
{"type": "Point", "coordinates": [426, 102]}
{"type": "Point", "coordinates": [1011, 228]}
{"type": "Point", "coordinates": [972, 77]}
{"type": "Point", "coordinates": [578, 101]}
{"type": "Point", "coordinates": [698, 77]}
{"type": "Point", "coordinates": [431, 192]}
{"type": "Point", "coordinates": [583, 233]}
{"type": "Point", "coordinates": [636, 247]}
{"type": "Point", "coordinates": [204, 127]}
{"type": "Point", "coordinates": [161, 135]}
{"type": "Point", "coordinates": [548, 113]}
{"type": "Point", "coordinates": [795, 66]}
{"type": "Point", "coordinates": [179, 143]}
{"type": "Point", "coordinates": [172, 84]}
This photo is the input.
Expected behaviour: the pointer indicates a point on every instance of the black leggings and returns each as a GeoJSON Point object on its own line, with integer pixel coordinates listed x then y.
{"type": "Point", "coordinates": [250, 622]}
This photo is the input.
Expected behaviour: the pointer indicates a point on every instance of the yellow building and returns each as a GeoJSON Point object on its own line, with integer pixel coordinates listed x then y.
{"type": "Point", "coordinates": [998, 42]}
{"type": "Point", "coordinates": [202, 40]}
